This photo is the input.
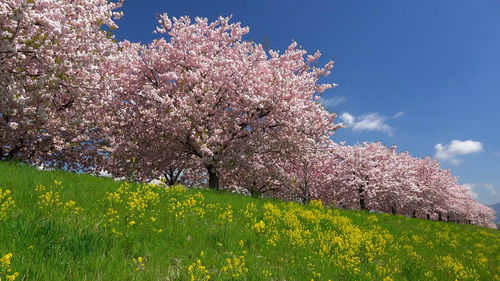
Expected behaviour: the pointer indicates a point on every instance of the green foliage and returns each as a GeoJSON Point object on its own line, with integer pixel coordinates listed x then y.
{"type": "Point", "coordinates": [66, 226]}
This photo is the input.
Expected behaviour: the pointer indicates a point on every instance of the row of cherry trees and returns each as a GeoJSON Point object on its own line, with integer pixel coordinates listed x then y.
{"type": "Point", "coordinates": [370, 176]}
{"type": "Point", "coordinates": [199, 105]}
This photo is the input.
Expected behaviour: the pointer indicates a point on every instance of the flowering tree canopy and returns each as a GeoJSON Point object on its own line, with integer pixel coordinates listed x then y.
{"type": "Point", "coordinates": [51, 54]}
{"type": "Point", "coordinates": [209, 94]}
{"type": "Point", "coordinates": [371, 176]}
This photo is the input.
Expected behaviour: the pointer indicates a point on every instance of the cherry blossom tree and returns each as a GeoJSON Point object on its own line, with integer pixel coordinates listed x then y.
{"type": "Point", "coordinates": [313, 173]}
{"type": "Point", "coordinates": [260, 170]}
{"type": "Point", "coordinates": [361, 172]}
{"type": "Point", "coordinates": [51, 54]}
{"type": "Point", "coordinates": [211, 94]}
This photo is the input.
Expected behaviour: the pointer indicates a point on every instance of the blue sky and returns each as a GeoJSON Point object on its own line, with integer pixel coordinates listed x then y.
{"type": "Point", "coordinates": [424, 75]}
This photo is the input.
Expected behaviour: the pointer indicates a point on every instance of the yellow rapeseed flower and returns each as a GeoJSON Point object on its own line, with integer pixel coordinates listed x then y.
{"type": "Point", "coordinates": [139, 263]}
{"type": "Point", "coordinates": [12, 277]}
{"type": "Point", "coordinates": [5, 268]}
{"type": "Point", "coordinates": [197, 271]}
{"type": "Point", "coordinates": [6, 203]}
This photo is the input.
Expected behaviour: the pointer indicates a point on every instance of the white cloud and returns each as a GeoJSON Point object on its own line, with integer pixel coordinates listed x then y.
{"type": "Point", "coordinates": [347, 118]}
{"type": "Point", "coordinates": [491, 188]}
{"type": "Point", "coordinates": [470, 188]}
{"type": "Point", "coordinates": [485, 193]}
{"type": "Point", "coordinates": [399, 114]}
{"type": "Point", "coordinates": [449, 152]}
{"type": "Point", "coordinates": [332, 102]}
{"type": "Point", "coordinates": [367, 122]}
{"type": "Point", "coordinates": [371, 122]}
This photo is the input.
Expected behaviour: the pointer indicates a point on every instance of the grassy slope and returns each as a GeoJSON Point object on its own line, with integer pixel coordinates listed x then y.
{"type": "Point", "coordinates": [273, 241]}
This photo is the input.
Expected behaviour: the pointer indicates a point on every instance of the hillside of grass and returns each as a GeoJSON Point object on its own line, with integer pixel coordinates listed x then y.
{"type": "Point", "coordinates": [56, 225]}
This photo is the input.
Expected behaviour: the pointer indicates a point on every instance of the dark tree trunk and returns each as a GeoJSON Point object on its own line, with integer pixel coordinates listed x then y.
{"type": "Point", "coordinates": [362, 203]}
{"type": "Point", "coordinates": [393, 209]}
{"type": "Point", "coordinates": [13, 152]}
{"type": "Point", "coordinates": [440, 218]}
{"type": "Point", "coordinates": [213, 176]}
{"type": "Point", "coordinates": [131, 174]}
{"type": "Point", "coordinates": [448, 218]}
{"type": "Point", "coordinates": [428, 216]}
{"type": "Point", "coordinates": [255, 191]}
{"type": "Point", "coordinates": [414, 214]}
{"type": "Point", "coordinates": [306, 196]}
{"type": "Point", "coordinates": [306, 191]}
{"type": "Point", "coordinates": [172, 176]}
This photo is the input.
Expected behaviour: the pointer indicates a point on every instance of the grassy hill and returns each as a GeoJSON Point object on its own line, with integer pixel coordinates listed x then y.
{"type": "Point", "coordinates": [66, 226]}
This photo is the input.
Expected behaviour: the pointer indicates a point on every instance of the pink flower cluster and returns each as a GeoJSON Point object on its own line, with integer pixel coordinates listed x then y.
{"type": "Point", "coordinates": [52, 68]}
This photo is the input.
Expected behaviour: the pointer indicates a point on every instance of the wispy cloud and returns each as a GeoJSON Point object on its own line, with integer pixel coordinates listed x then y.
{"type": "Point", "coordinates": [399, 114]}
{"type": "Point", "coordinates": [449, 152]}
{"type": "Point", "coordinates": [347, 118]}
{"type": "Point", "coordinates": [332, 102]}
{"type": "Point", "coordinates": [491, 188]}
{"type": "Point", "coordinates": [367, 122]}
{"type": "Point", "coordinates": [470, 188]}
{"type": "Point", "coordinates": [485, 193]}
{"type": "Point", "coordinates": [497, 154]}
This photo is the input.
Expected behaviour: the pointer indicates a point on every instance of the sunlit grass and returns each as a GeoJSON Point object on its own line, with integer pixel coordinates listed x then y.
{"type": "Point", "coordinates": [65, 226]}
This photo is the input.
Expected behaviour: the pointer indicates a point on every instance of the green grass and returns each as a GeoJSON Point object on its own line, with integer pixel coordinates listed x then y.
{"type": "Point", "coordinates": [261, 239]}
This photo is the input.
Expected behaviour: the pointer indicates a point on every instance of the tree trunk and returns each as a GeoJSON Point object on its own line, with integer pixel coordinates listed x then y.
{"type": "Point", "coordinates": [213, 176]}
{"type": "Point", "coordinates": [13, 152]}
{"type": "Point", "coordinates": [393, 209]}
{"type": "Point", "coordinates": [172, 176]}
{"type": "Point", "coordinates": [255, 192]}
{"type": "Point", "coordinates": [306, 191]}
{"type": "Point", "coordinates": [440, 218]}
{"type": "Point", "coordinates": [131, 174]}
{"type": "Point", "coordinates": [428, 216]}
{"type": "Point", "coordinates": [362, 203]}
{"type": "Point", "coordinates": [414, 214]}
{"type": "Point", "coordinates": [448, 218]}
